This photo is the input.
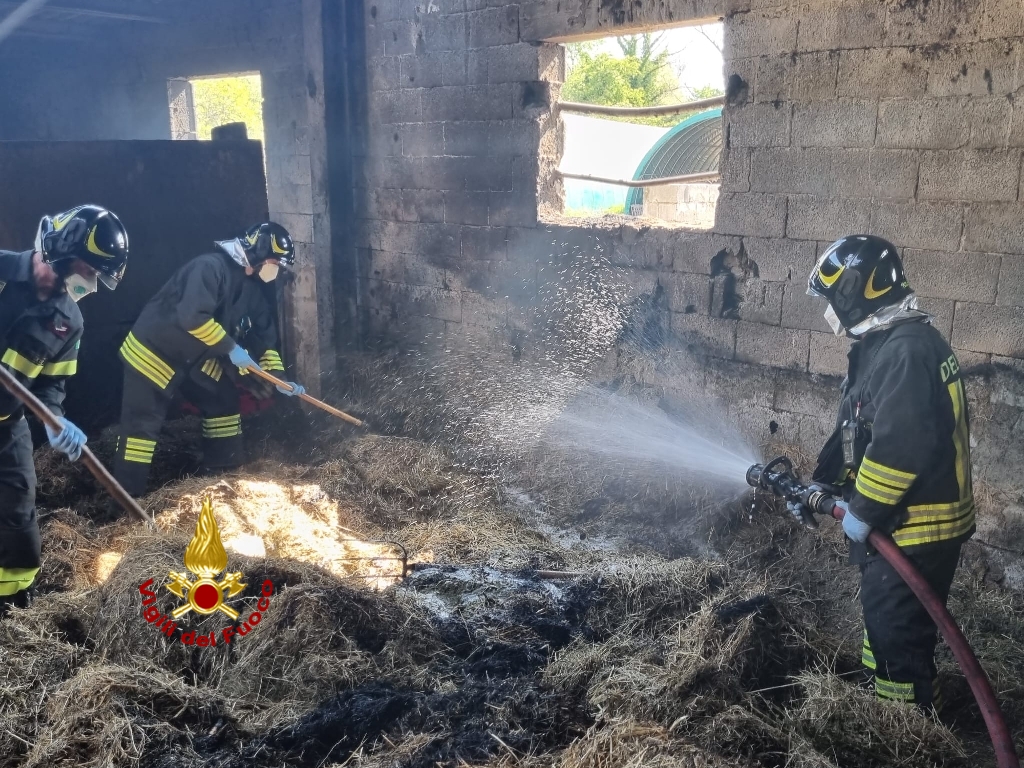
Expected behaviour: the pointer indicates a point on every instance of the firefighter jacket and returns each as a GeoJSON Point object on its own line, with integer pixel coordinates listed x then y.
{"type": "Point", "coordinates": [39, 339]}
{"type": "Point", "coordinates": [913, 465]}
{"type": "Point", "coordinates": [196, 318]}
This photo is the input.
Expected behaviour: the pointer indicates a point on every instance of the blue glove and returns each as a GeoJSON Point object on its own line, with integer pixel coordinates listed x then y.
{"type": "Point", "coordinates": [855, 528]}
{"type": "Point", "coordinates": [296, 389]}
{"type": "Point", "coordinates": [240, 358]}
{"type": "Point", "coordinates": [68, 441]}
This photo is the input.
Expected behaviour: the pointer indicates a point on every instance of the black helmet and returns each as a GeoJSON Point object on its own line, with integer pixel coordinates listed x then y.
{"type": "Point", "coordinates": [90, 233]}
{"type": "Point", "coordinates": [859, 275]}
{"type": "Point", "coordinates": [268, 241]}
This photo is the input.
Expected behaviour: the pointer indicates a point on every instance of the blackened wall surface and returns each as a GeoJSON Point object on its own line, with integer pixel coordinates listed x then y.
{"type": "Point", "coordinates": [174, 197]}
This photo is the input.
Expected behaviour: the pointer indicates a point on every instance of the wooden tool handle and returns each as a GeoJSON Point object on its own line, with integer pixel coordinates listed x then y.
{"type": "Point", "coordinates": [308, 398]}
{"type": "Point", "coordinates": [93, 464]}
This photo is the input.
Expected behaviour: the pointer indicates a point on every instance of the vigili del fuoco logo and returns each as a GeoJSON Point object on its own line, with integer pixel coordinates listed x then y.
{"type": "Point", "coordinates": [205, 558]}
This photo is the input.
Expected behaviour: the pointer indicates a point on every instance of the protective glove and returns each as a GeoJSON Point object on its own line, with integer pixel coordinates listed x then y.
{"type": "Point", "coordinates": [854, 528]}
{"type": "Point", "coordinates": [240, 358]}
{"type": "Point", "coordinates": [800, 512]}
{"type": "Point", "coordinates": [68, 441]}
{"type": "Point", "coordinates": [296, 389]}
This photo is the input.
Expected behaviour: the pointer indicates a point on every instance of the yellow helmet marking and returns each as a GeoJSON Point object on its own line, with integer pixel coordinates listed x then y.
{"type": "Point", "coordinates": [829, 281]}
{"type": "Point", "coordinates": [276, 248]}
{"type": "Point", "coordinates": [61, 219]}
{"type": "Point", "coordinates": [869, 289]}
{"type": "Point", "coordinates": [90, 244]}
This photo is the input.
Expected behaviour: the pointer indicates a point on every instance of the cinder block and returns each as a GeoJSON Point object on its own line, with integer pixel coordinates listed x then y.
{"type": "Point", "coordinates": [482, 102]}
{"type": "Point", "coordinates": [383, 73]}
{"type": "Point", "coordinates": [1016, 137]}
{"type": "Point", "coordinates": [781, 259]}
{"type": "Point", "coordinates": [422, 139]}
{"type": "Point", "coordinates": [760, 301]}
{"type": "Point", "coordinates": [485, 243]}
{"type": "Point", "coordinates": [512, 63]}
{"type": "Point", "coordinates": [433, 241]}
{"type": "Point", "coordinates": [735, 170]}
{"type": "Point", "coordinates": [299, 225]}
{"type": "Point", "coordinates": [820, 218]}
{"type": "Point", "coordinates": [790, 170]}
{"type": "Point", "coordinates": [957, 276]}
{"type": "Point", "coordinates": [685, 292]}
{"type": "Point", "coordinates": [923, 123]}
{"type": "Point", "coordinates": [978, 69]}
{"type": "Point", "coordinates": [728, 381]}
{"type": "Point", "coordinates": [411, 205]}
{"type": "Point", "coordinates": [883, 72]}
{"type": "Point", "coordinates": [773, 346]}
{"type": "Point", "coordinates": [741, 80]}
{"type": "Point", "coordinates": [995, 228]}
{"type": "Point", "coordinates": [816, 430]}
{"type": "Point", "coordinates": [751, 214]}
{"type": "Point", "coordinates": [764, 427]}
{"type": "Point", "coordinates": [758, 125]}
{"type": "Point", "coordinates": [828, 354]}
{"type": "Point", "coordinates": [513, 209]}
{"type": "Point", "coordinates": [981, 175]}
{"type": "Point", "coordinates": [892, 173]}
{"type": "Point", "coordinates": [1001, 20]}
{"type": "Point", "coordinates": [929, 226]}
{"type": "Point", "coordinates": [396, 106]}
{"type": "Point", "coordinates": [761, 33]}
{"type": "Point", "coordinates": [465, 208]}
{"type": "Point", "coordinates": [705, 335]}
{"type": "Point", "coordinates": [289, 169]}
{"type": "Point", "coordinates": [402, 268]}
{"type": "Point", "coordinates": [921, 23]}
{"type": "Point", "coordinates": [836, 25]}
{"type": "Point", "coordinates": [692, 252]}
{"type": "Point", "coordinates": [486, 173]}
{"type": "Point", "coordinates": [772, 78]}
{"type": "Point", "coordinates": [421, 70]}
{"type": "Point", "coordinates": [442, 33]}
{"type": "Point", "coordinates": [291, 198]}
{"type": "Point", "coordinates": [803, 312]}
{"type": "Point", "coordinates": [405, 301]}
{"type": "Point", "coordinates": [987, 328]}
{"type": "Point", "coordinates": [1011, 282]}
{"type": "Point", "coordinates": [814, 76]}
{"type": "Point", "coordinates": [811, 395]}
{"type": "Point", "coordinates": [494, 27]}
{"type": "Point", "coordinates": [840, 123]}
{"type": "Point", "coordinates": [399, 37]}
{"type": "Point", "coordinates": [478, 309]}
{"type": "Point", "coordinates": [495, 138]}
{"type": "Point", "coordinates": [991, 120]}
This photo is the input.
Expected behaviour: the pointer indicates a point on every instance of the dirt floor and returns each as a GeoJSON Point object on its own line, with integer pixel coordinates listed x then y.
{"type": "Point", "coordinates": [699, 633]}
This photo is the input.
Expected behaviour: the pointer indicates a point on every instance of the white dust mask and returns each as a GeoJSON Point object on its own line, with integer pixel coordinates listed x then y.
{"type": "Point", "coordinates": [268, 271]}
{"type": "Point", "coordinates": [79, 287]}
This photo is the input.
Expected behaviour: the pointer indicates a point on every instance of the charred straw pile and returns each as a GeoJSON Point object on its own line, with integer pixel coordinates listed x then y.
{"type": "Point", "coordinates": [742, 656]}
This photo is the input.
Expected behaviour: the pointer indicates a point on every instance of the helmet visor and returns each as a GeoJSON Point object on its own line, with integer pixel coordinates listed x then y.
{"type": "Point", "coordinates": [825, 274]}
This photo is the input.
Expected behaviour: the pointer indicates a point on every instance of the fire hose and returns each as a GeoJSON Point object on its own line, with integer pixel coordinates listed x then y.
{"type": "Point", "coordinates": [779, 477]}
{"type": "Point", "coordinates": [93, 464]}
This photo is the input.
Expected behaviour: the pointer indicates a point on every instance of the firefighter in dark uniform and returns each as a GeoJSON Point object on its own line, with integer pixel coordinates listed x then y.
{"type": "Point", "coordinates": [901, 454]}
{"type": "Point", "coordinates": [40, 330]}
{"type": "Point", "coordinates": [189, 338]}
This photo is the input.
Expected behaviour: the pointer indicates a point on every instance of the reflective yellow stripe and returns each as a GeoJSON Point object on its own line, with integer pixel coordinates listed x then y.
{"type": "Point", "coordinates": [146, 362]}
{"type": "Point", "coordinates": [914, 535]}
{"type": "Point", "coordinates": [139, 450]}
{"type": "Point", "coordinates": [222, 426]}
{"type": "Point", "coordinates": [888, 475]}
{"type": "Point", "coordinates": [887, 689]}
{"type": "Point", "coordinates": [22, 365]}
{"type": "Point", "coordinates": [141, 443]}
{"type": "Point", "coordinates": [271, 361]}
{"type": "Point", "coordinates": [14, 580]}
{"type": "Point", "coordinates": [867, 656]}
{"type": "Point", "coordinates": [212, 368]}
{"type": "Point", "coordinates": [147, 354]}
{"type": "Point", "coordinates": [139, 365]}
{"type": "Point", "coordinates": [67, 368]}
{"type": "Point", "coordinates": [961, 440]}
{"type": "Point", "coordinates": [877, 492]}
{"type": "Point", "coordinates": [209, 332]}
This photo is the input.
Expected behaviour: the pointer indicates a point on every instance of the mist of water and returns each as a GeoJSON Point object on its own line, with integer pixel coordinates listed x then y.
{"type": "Point", "coordinates": [625, 434]}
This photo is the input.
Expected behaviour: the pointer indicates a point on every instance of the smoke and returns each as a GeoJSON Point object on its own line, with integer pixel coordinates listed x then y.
{"type": "Point", "coordinates": [19, 16]}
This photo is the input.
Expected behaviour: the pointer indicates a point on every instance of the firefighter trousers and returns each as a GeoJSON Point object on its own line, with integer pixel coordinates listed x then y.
{"type": "Point", "coordinates": [900, 636]}
{"type": "Point", "coordinates": [20, 546]}
{"type": "Point", "coordinates": [143, 409]}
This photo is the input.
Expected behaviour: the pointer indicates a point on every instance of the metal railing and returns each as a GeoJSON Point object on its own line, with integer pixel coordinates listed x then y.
{"type": "Point", "coordinates": [665, 109]}
{"type": "Point", "coordinates": [689, 178]}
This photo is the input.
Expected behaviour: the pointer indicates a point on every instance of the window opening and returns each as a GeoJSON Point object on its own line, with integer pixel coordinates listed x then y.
{"type": "Point", "coordinates": [198, 105]}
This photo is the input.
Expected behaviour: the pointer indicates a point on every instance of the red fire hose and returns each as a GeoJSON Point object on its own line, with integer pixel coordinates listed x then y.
{"type": "Point", "coordinates": [1002, 742]}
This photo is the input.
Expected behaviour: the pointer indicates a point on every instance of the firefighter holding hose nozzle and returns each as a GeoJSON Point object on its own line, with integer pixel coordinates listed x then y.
{"type": "Point", "coordinates": [41, 327]}
{"type": "Point", "coordinates": [900, 454]}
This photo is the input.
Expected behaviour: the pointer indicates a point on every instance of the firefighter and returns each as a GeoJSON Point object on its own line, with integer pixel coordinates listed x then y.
{"type": "Point", "coordinates": [40, 329]}
{"type": "Point", "coordinates": [189, 338]}
{"type": "Point", "coordinates": [900, 453]}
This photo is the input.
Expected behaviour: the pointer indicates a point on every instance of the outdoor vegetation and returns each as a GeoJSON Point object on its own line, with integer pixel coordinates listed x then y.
{"type": "Point", "coordinates": [220, 100]}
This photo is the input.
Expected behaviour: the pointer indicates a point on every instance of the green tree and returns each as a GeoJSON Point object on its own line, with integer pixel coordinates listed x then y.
{"type": "Point", "coordinates": [220, 100]}
{"type": "Point", "coordinates": [641, 77]}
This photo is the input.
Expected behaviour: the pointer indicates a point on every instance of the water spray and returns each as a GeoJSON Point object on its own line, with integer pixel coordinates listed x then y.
{"type": "Point", "coordinates": [779, 477]}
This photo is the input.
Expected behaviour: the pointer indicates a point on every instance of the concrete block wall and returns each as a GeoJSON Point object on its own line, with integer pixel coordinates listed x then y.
{"type": "Point", "coordinates": [877, 116]}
